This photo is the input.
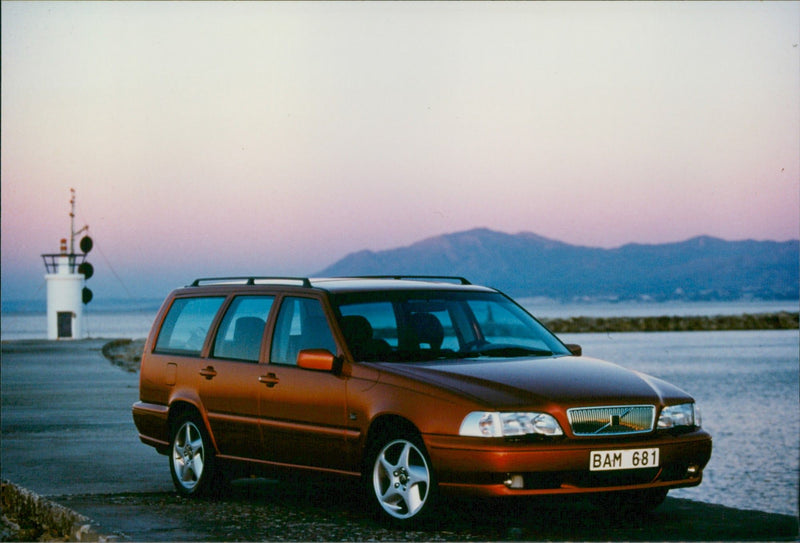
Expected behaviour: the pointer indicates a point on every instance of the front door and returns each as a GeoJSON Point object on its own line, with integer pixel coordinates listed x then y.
{"type": "Point", "coordinates": [303, 411]}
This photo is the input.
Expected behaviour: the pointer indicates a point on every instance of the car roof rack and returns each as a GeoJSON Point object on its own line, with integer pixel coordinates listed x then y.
{"type": "Point", "coordinates": [250, 280]}
{"type": "Point", "coordinates": [444, 278]}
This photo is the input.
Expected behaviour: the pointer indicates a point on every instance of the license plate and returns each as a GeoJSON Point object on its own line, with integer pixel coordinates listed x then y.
{"type": "Point", "coordinates": [623, 459]}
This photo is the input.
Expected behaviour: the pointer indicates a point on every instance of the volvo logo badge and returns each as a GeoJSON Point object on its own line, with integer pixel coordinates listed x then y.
{"type": "Point", "coordinates": [614, 420]}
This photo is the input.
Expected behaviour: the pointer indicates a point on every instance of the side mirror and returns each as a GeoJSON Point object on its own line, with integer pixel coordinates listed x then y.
{"type": "Point", "coordinates": [316, 359]}
{"type": "Point", "coordinates": [576, 350]}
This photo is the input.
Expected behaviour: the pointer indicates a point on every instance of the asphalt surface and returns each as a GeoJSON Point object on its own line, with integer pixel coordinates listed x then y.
{"type": "Point", "coordinates": [67, 434]}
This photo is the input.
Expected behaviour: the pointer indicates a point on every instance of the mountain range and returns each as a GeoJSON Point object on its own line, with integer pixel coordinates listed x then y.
{"type": "Point", "coordinates": [525, 264]}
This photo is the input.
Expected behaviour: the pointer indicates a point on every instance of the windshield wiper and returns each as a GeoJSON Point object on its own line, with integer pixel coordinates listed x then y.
{"type": "Point", "coordinates": [509, 351]}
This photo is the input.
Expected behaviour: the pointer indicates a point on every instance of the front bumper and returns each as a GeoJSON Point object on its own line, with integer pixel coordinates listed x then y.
{"type": "Point", "coordinates": [487, 467]}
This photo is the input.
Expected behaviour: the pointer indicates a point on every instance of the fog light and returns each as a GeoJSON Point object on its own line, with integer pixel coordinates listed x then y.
{"type": "Point", "coordinates": [693, 470]}
{"type": "Point", "coordinates": [514, 481]}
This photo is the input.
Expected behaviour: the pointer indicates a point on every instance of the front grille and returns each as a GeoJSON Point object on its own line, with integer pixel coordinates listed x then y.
{"type": "Point", "coordinates": [625, 477]}
{"type": "Point", "coordinates": [613, 420]}
{"type": "Point", "coordinates": [591, 479]}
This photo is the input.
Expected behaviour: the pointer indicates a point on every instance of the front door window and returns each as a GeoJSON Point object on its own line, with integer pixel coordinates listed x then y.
{"type": "Point", "coordinates": [301, 325]}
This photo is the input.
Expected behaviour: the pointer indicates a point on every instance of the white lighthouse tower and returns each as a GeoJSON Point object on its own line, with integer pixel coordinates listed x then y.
{"type": "Point", "coordinates": [66, 294]}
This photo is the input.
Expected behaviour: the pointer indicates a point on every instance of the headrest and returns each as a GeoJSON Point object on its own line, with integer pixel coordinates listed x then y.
{"type": "Point", "coordinates": [356, 329]}
{"type": "Point", "coordinates": [428, 329]}
{"type": "Point", "coordinates": [248, 327]}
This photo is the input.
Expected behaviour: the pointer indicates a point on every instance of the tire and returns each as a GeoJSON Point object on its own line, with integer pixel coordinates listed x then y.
{"type": "Point", "coordinates": [191, 458]}
{"type": "Point", "coordinates": [632, 502]}
{"type": "Point", "coordinates": [399, 480]}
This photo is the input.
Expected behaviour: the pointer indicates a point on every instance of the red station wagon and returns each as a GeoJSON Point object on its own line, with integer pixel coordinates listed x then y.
{"type": "Point", "coordinates": [419, 386]}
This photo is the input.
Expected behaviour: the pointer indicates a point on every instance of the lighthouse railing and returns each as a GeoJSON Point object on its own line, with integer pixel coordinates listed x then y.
{"type": "Point", "coordinates": [52, 262]}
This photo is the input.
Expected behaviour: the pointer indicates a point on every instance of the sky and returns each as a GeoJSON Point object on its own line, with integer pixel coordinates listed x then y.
{"type": "Point", "coordinates": [277, 137]}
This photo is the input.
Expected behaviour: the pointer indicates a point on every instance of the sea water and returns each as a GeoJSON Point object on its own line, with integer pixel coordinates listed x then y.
{"type": "Point", "coordinates": [745, 382]}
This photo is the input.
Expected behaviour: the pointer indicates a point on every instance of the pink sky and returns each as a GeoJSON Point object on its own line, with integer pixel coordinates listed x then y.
{"type": "Point", "coordinates": [276, 138]}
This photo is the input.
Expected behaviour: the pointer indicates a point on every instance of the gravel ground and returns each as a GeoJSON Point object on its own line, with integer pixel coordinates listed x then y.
{"type": "Point", "coordinates": [262, 510]}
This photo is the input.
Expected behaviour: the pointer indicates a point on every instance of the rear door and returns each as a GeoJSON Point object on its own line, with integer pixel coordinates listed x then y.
{"type": "Point", "coordinates": [230, 378]}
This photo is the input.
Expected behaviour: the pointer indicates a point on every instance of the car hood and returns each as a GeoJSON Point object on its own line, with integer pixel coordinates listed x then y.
{"type": "Point", "coordinates": [531, 382]}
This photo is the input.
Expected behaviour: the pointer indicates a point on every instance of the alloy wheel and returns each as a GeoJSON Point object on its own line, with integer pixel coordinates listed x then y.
{"type": "Point", "coordinates": [401, 479]}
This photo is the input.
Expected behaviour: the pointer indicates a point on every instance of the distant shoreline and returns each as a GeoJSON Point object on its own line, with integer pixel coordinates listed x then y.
{"type": "Point", "coordinates": [127, 353]}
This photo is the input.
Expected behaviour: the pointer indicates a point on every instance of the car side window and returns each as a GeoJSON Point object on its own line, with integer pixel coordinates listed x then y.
{"type": "Point", "coordinates": [242, 329]}
{"type": "Point", "coordinates": [186, 325]}
{"type": "Point", "coordinates": [301, 325]}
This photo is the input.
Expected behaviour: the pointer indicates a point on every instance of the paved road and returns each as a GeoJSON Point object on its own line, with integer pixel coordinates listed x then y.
{"type": "Point", "coordinates": [67, 434]}
{"type": "Point", "coordinates": [66, 422]}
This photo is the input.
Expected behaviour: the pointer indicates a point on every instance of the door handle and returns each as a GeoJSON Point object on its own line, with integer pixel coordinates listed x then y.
{"type": "Point", "coordinates": [208, 372]}
{"type": "Point", "coordinates": [269, 379]}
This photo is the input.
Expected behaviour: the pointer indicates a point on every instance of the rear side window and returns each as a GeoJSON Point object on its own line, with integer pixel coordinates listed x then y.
{"type": "Point", "coordinates": [242, 329]}
{"type": "Point", "coordinates": [186, 326]}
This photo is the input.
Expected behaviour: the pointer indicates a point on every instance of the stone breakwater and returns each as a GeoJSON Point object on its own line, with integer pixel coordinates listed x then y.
{"type": "Point", "coordinates": [767, 321]}
{"type": "Point", "coordinates": [127, 353]}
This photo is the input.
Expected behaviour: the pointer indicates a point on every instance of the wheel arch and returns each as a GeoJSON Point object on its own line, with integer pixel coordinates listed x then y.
{"type": "Point", "coordinates": [383, 426]}
{"type": "Point", "coordinates": [390, 423]}
{"type": "Point", "coordinates": [182, 408]}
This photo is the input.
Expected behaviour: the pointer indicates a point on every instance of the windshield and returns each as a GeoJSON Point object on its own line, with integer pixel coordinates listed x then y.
{"type": "Point", "coordinates": [406, 326]}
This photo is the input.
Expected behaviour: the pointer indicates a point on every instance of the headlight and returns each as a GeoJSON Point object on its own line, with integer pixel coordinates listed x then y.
{"type": "Point", "coordinates": [673, 416]}
{"type": "Point", "coordinates": [493, 424]}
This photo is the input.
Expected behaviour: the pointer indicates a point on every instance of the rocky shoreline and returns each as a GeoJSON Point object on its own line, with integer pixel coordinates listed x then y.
{"type": "Point", "coordinates": [127, 353]}
{"type": "Point", "coordinates": [27, 516]}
